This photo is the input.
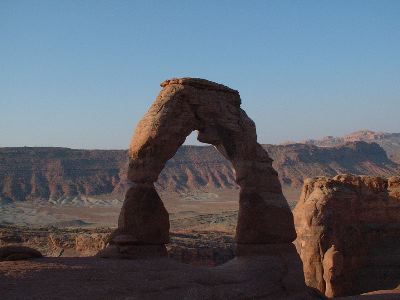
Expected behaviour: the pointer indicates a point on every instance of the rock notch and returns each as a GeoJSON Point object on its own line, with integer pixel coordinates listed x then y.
{"type": "Point", "coordinates": [185, 105]}
{"type": "Point", "coordinates": [348, 230]}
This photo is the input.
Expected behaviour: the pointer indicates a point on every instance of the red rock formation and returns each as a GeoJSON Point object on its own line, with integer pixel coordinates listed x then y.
{"type": "Point", "coordinates": [185, 105]}
{"type": "Point", "coordinates": [144, 215]}
{"type": "Point", "coordinates": [348, 233]}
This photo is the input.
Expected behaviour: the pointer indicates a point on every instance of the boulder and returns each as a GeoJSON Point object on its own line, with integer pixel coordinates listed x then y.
{"type": "Point", "coordinates": [18, 253]}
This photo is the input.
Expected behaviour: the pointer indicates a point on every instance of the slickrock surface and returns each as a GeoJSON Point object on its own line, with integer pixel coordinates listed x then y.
{"type": "Point", "coordinates": [375, 295]}
{"type": "Point", "coordinates": [260, 277]}
{"type": "Point", "coordinates": [348, 233]}
{"type": "Point", "coordinates": [185, 105]}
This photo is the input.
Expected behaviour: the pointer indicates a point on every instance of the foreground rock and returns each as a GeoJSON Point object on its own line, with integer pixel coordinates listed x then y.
{"type": "Point", "coordinates": [18, 253]}
{"type": "Point", "coordinates": [205, 248]}
{"type": "Point", "coordinates": [348, 231]}
{"type": "Point", "coordinates": [158, 278]}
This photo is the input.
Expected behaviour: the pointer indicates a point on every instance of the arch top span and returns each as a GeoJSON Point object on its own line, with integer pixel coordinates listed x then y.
{"type": "Point", "coordinates": [185, 105]}
{"type": "Point", "coordinates": [200, 84]}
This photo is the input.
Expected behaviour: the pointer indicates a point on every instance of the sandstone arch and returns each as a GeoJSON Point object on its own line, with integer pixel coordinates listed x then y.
{"type": "Point", "coordinates": [185, 105]}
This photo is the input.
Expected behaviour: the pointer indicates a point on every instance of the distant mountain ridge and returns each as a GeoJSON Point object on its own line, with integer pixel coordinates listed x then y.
{"type": "Point", "coordinates": [30, 173]}
{"type": "Point", "coordinates": [389, 141]}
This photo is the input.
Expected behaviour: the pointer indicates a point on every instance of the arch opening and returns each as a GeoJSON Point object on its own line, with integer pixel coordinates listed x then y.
{"type": "Point", "coordinates": [197, 187]}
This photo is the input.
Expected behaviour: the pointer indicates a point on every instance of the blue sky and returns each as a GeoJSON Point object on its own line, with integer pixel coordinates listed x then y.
{"type": "Point", "coordinates": [82, 73]}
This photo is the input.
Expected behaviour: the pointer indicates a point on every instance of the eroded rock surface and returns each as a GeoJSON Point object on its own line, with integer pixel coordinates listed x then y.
{"type": "Point", "coordinates": [348, 230]}
{"type": "Point", "coordinates": [143, 216]}
{"type": "Point", "coordinates": [189, 104]}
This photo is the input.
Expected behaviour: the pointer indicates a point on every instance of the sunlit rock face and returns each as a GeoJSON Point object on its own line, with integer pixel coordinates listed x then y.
{"type": "Point", "coordinates": [185, 105]}
{"type": "Point", "coordinates": [348, 233]}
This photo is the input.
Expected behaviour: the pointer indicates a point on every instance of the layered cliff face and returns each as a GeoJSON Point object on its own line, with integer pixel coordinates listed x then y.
{"type": "Point", "coordinates": [49, 173]}
{"type": "Point", "coordinates": [294, 162]}
{"type": "Point", "coordinates": [194, 167]}
{"type": "Point", "coordinates": [348, 233]}
{"type": "Point", "coordinates": [52, 173]}
{"type": "Point", "coordinates": [33, 173]}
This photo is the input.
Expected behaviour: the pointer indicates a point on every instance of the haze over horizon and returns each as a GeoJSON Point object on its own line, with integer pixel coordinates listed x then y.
{"type": "Point", "coordinates": [82, 74]}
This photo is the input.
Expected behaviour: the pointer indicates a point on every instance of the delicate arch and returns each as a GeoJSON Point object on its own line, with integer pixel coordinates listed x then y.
{"type": "Point", "coordinates": [185, 105]}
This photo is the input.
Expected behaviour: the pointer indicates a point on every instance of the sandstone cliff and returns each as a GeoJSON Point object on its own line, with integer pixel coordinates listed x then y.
{"type": "Point", "coordinates": [30, 173]}
{"type": "Point", "coordinates": [49, 173]}
{"type": "Point", "coordinates": [295, 162]}
{"type": "Point", "coordinates": [348, 231]}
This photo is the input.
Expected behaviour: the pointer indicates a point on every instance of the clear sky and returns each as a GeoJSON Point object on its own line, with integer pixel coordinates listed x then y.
{"type": "Point", "coordinates": [82, 73]}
